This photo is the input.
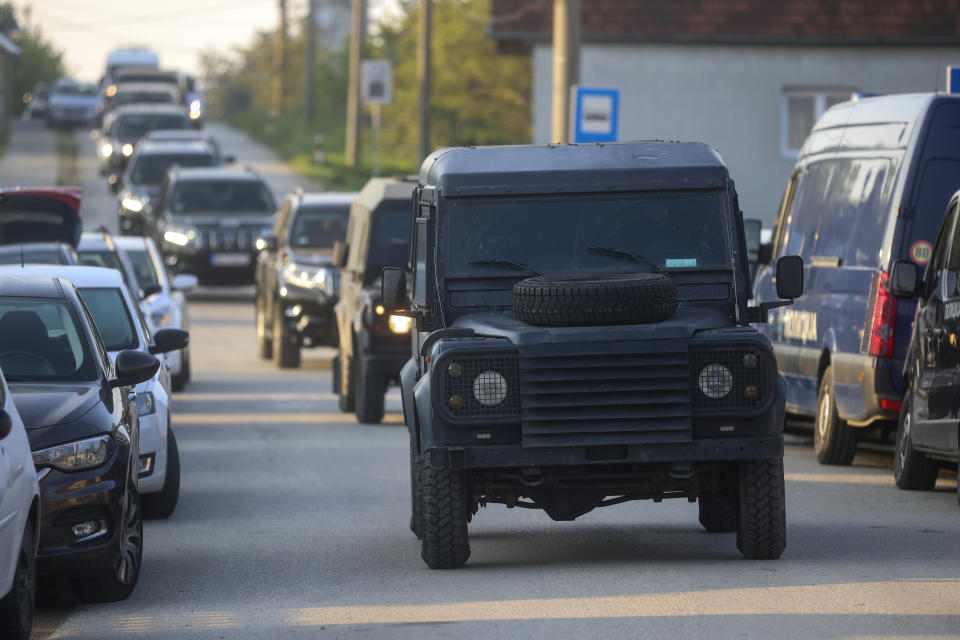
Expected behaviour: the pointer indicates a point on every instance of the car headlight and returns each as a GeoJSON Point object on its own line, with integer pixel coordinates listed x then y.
{"type": "Point", "coordinates": [477, 385]}
{"type": "Point", "coordinates": [489, 388]}
{"type": "Point", "coordinates": [304, 276]}
{"type": "Point", "coordinates": [179, 236]}
{"type": "Point", "coordinates": [106, 150]}
{"type": "Point", "coordinates": [75, 456]}
{"type": "Point", "coordinates": [126, 150]}
{"type": "Point", "coordinates": [145, 404]}
{"type": "Point", "coordinates": [134, 205]}
{"type": "Point", "coordinates": [400, 324]}
{"type": "Point", "coordinates": [715, 381]}
{"type": "Point", "coordinates": [162, 316]}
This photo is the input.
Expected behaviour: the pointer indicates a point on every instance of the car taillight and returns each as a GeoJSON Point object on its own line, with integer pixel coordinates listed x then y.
{"type": "Point", "coordinates": [884, 317]}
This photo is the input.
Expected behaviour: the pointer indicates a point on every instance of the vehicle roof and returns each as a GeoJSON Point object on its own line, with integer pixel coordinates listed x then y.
{"type": "Point", "coordinates": [145, 86]}
{"type": "Point", "coordinates": [180, 147]}
{"type": "Point", "coordinates": [150, 108]}
{"type": "Point", "coordinates": [217, 173]}
{"type": "Point", "coordinates": [70, 196]}
{"type": "Point", "coordinates": [31, 246]}
{"type": "Point", "coordinates": [95, 240]}
{"type": "Point", "coordinates": [80, 276]}
{"type": "Point", "coordinates": [328, 197]}
{"type": "Point", "coordinates": [181, 134]}
{"type": "Point", "coordinates": [378, 190]}
{"type": "Point", "coordinates": [22, 286]}
{"type": "Point", "coordinates": [130, 242]}
{"type": "Point", "coordinates": [573, 168]}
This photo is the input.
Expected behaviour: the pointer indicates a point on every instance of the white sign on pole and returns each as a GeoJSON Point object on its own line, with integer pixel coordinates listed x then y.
{"type": "Point", "coordinates": [377, 82]}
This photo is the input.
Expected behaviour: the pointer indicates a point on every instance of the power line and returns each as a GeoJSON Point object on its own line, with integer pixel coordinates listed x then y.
{"type": "Point", "coordinates": [166, 16]}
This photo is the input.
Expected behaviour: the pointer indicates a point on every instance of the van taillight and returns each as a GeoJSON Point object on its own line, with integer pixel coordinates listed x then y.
{"type": "Point", "coordinates": [884, 316]}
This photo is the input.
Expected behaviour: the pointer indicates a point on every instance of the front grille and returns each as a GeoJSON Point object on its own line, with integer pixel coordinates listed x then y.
{"type": "Point", "coordinates": [479, 382]}
{"type": "Point", "coordinates": [218, 239]}
{"type": "Point", "coordinates": [749, 385]}
{"type": "Point", "coordinates": [606, 394]}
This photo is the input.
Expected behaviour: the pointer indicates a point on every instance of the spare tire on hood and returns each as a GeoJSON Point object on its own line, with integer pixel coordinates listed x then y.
{"type": "Point", "coordinates": [580, 299]}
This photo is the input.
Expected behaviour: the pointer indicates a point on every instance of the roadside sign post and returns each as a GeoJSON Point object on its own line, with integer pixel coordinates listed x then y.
{"type": "Point", "coordinates": [377, 90]}
{"type": "Point", "coordinates": [596, 114]}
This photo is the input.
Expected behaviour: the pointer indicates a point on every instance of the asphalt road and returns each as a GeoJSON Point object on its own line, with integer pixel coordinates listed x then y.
{"type": "Point", "coordinates": [293, 524]}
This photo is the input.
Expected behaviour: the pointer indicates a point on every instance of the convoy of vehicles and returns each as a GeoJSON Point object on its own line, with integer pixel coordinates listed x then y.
{"type": "Point", "coordinates": [125, 126]}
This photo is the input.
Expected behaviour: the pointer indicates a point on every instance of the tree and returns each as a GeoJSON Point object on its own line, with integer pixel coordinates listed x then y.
{"type": "Point", "coordinates": [39, 60]}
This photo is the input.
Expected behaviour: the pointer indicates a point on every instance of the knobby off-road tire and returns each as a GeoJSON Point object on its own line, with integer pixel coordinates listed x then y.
{"type": "Point", "coordinates": [371, 389]}
{"type": "Point", "coordinates": [718, 511]}
{"type": "Point", "coordinates": [444, 518]}
{"type": "Point", "coordinates": [348, 381]}
{"type": "Point", "coordinates": [286, 346]}
{"type": "Point", "coordinates": [762, 521]}
{"type": "Point", "coordinates": [595, 299]}
{"type": "Point", "coordinates": [911, 469]}
{"type": "Point", "coordinates": [16, 608]}
{"type": "Point", "coordinates": [416, 519]}
{"type": "Point", "coordinates": [163, 503]}
{"type": "Point", "coordinates": [834, 441]}
{"type": "Point", "coordinates": [264, 343]}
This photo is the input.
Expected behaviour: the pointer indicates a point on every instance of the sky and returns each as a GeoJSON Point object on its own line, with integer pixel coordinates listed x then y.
{"type": "Point", "coordinates": [176, 29]}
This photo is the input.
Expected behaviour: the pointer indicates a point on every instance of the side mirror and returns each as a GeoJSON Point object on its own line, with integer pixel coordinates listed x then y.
{"type": "Point", "coordinates": [167, 340]}
{"type": "Point", "coordinates": [340, 250]}
{"type": "Point", "coordinates": [393, 288]}
{"type": "Point", "coordinates": [134, 367]}
{"type": "Point", "coordinates": [6, 424]}
{"type": "Point", "coordinates": [150, 290]}
{"type": "Point", "coordinates": [790, 277]}
{"type": "Point", "coordinates": [903, 279]}
{"type": "Point", "coordinates": [184, 282]}
{"type": "Point", "coordinates": [229, 159]}
{"type": "Point", "coordinates": [267, 243]}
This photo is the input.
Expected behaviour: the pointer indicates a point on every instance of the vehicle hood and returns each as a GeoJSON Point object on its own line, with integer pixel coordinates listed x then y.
{"type": "Point", "coordinates": [44, 404]}
{"type": "Point", "coordinates": [682, 325]}
{"type": "Point", "coordinates": [225, 220]}
{"type": "Point", "coordinates": [315, 257]}
{"type": "Point", "coordinates": [37, 217]}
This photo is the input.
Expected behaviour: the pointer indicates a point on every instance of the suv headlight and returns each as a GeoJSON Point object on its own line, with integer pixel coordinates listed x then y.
{"type": "Point", "coordinates": [133, 205]}
{"type": "Point", "coordinates": [75, 456]}
{"type": "Point", "coordinates": [180, 236]}
{"type": "Point", "coordinates": [400, 324]}
{"type": "Point", "coordinates": [715, 381]}
{"type": "Point", "coordinates": [305, 276]}
{"type": "Point", "coordinates": [478, 385]}
{"type": "Point", "coordinates": [735, 377]}
{"type": "Point", "coordinates": [145, 403]}
{"type": "Point", "coordinates": [106, 150]}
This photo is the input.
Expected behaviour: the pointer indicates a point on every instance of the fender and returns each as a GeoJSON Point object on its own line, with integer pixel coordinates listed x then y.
{"type": "Point", "coordinates": [423, 405]}
{"type": "Point", "coordinates": [408, 378]}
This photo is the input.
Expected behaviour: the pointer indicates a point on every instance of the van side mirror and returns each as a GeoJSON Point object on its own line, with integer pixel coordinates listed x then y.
{"type": "Point", "coordinates": [903, 279]}
{"type": "Point", "coordinates": [340, 250]}
{"type": "Point", "coordinates": [790, 277]}
{"type": "Point", "coordinates": [393, 288]}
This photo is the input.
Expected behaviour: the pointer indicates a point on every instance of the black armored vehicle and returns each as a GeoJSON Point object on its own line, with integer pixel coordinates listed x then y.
{"type": "Point", "coordinates": [582, 338]}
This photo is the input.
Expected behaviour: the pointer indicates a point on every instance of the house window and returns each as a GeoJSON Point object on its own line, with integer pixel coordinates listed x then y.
{"type": "Point", "coordinates": [800, 109]}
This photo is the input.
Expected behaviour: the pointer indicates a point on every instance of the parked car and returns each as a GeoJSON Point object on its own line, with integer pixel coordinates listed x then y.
{"type": "Point", "coordinates": [19, 522]}
{"type": "Point", "coordinates": [145, 172]}
{"type": "Point", "coordinates": [870, 187]}
{"type": "Point", "coordinates": [39, 253]}
{"type": "Point", "coordinates": [164, 302]}
{"type": "Point", "coordinates": [39, 225]}
{"type": "Point", "coordinates": [373, 344]}
{"type": "Point", "coordinates": [581, 339]}
{"type": "Point", "coordinates": [207, 221]}
{"type": "Point", "coordinates": [72, 104]}
{"type": "Point", "coordinates": [928, 438]}
{"type": "Point", "coordinates": [79, 410]}
{"type": "Point", "coordinates": [125, 126]}
{"type": "Point", "coordinates": [296, 280]}
{"type": "Point", "coordinates": [99, 249]}
{"type": "Point", "coordinates": [121, 326]}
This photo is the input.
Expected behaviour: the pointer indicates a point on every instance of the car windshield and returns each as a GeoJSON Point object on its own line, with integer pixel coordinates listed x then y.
{"type": "Point", "coordinates": [145, 269]}
{"type": "Point", "coordinates": [319, 226]}
{"type": "Point", "coordinates": [389, 239]}
{"type": "Point", "coordinates": [31, 256]}
{"type": "Point", "coordinates": [596, 232]}
{"type": "Point", "coordinates": [150, 168]}
{"type": "Point", "coordinates": [136, 125]}
{"type": "Point", "coordinates": [142, 97]}
{"type": "Point", "coordinates": [77, 90]}
{"type": "Point", "coordinates": [221, 196]}
{"type": "Point", "coordinates": [112, 317]}
{"type": "Point", "coordinates": [41, 340]}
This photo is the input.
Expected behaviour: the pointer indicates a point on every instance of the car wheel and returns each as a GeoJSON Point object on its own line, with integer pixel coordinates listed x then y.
{"type": "Point", "coordinates": [16, 608]}
{"type": "Point", "coordinates": [348, 380]}
{"type": "Point", "coordinates": [834, 441]}
{"type": "Point", "coordinates": [163, 503]}
{"type": "Point", "coordinates": [762, 517]}
{"type": "Point", "coordinates": [179, 381]}
{"type": "Point", "coordinates": [444, 517]}
{"type": "Point", "coordinates": [119, 581]}
{"type": "Point", "coordinates": [286, 346]}
{"type": "Point", "coordinates": [718, 509]}
{"type": "Point", "coordinates": [264, 343]}
{"type": "Point", "coordinates": [911, 469]}
{"type": "Point", "coordinates": [371, 388]}
{"type": "Point", "coordinates": [416, 524]}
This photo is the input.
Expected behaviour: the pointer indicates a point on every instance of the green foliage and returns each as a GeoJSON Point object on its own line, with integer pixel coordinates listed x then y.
{"type": "Point", "coordinates": [39, 60]}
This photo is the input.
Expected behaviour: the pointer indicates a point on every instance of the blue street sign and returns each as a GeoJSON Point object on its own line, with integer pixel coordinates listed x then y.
{"type": "Point", "coordinates": [953, 79]}
{"type": "Point", "coordinates": [596, 116]}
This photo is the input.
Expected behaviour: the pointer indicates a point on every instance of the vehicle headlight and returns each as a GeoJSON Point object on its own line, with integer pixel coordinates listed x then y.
{"type": "Point", "coordinates": [179, 236]}
{"type": "Point", "coordinates": [162, 316]}
{"type": "Point", "coordinates": [489, 388]}
{"type": "Point", "coordinates": [106, 149]}
{"type": "Point", "coordinates": [400, 324]}
{"type": "Point", "coordinates": [127, 150]}
{"type": "Point", "coordinates": [305, 277]}
{"type": "Point", "coordinates": [715, 381]}
{"type": "Point", "coordinates": [134, 205]}
{"type": "Point", "coordinates": [474, 385]}
{"type": "Point", "coordinates": [145, 403]}
{"type": "Point", "coordinates": [196, 110]}
{"type": "Point", "coordinates": [75, 456]}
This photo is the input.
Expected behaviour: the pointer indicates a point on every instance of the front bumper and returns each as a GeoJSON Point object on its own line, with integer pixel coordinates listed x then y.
{"type": "Point", "coordinates": [309, 314]}
{"type": "Point", "coordinates": [862, 386]}
{"type": "Point", "coordinates": [153, 453]}
{"type": "Point", "coordinates": [202, 264]}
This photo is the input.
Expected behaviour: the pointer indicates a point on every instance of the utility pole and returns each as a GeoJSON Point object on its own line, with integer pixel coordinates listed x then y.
{"type": "Point", "coordinates": [423, 77]}
{"type": "Point", "coordinates": [358, 17]}
{"type": "Point", "coordinates": [310, 60]}
{"type": "Point", "coordinates": [280, 82]}
{"type": "Point", "coordinates": [566, 63]}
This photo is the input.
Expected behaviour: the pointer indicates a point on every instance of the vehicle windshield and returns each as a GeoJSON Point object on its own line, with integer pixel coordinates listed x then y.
{"type": "Point", "coordinates": [144, 268]}
{"type": "Point", "coordinates": [136, 125]}
{"type": "Point", "coordinates": [108, 259]}
{"type": "Point", "coordinates": [221, 196]}
{"type": "Point", "coordinates": [595, 232]}
{"type": "Point", "coordinates": [142, 97]}
{"type": "Point", "coordinates": [112, 318]}
{"type": "Point", "coordinates": [150, 168]}
{"type": "Point", "coordinates": [77, 90]}
{"type": "Point", "coordinates": [389, 239]}
{"type": "Point", "coordinates": [319, 226]}
{"type": "Point", "coordinates": [41, 340]}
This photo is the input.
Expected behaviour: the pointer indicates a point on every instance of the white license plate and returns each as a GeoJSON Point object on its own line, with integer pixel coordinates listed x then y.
{"type": "Point", "coordinates": [230, 259]}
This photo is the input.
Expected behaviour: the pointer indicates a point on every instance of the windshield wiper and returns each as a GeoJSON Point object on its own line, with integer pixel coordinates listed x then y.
{"type": "Point", "coordinates": [627, 255]}
{"type": "Point", "coordinates": [503, 262]}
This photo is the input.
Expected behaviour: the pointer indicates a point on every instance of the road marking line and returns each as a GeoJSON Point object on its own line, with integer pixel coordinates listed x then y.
{"type": "Point", "coordinates": [277, 418]}
{"type": "Point", "coordinates": [857, 478]}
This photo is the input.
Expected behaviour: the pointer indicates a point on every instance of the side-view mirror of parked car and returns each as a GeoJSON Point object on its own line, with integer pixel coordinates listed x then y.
{"type": "Point", "coordinates": [184, 282]}
{"type": "Point", "coordinates": [167, 340]}
{"type": "Point", "coordinates": [904, 279]}
{"type": "Point", "coordinates": [393, 288]}
{"type": "Point", "coordinates": [134, 367]}
{"type": "Point", "coordinates": [229, 159]}
{"type": "Point", "coordinates": [790, 277]}
{"type": "Point", "coordinates": [6, 424]}
{"type": "Point", "coordinates": [267, 243]}
{"type": "Point", "coordinates": [340, 250]}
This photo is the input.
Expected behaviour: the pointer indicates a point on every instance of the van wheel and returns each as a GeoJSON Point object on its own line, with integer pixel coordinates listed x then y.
{"type": "Point", "coordinates": [762, 518]}
{"type": "Point", "coordinates": [345, 399]}
{"type": "Point", "coordinates": [16, 608]}
{"type": "Point", "coordinates": [834, 441]}
{"type": "Point", "coordinates": [163, 503]}
{"type": "Point", "coordinates": [370, 390]}
{"type": "Point", "coordinates": [264, 344]}
{"type": "Point", "coordinates": [286, 346]}
{"type": "Point", "coordinates": [444, 517]}
{"type": "Point", "coordinates": [911, 469]}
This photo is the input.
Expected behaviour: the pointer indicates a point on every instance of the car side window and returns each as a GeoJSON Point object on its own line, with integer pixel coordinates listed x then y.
{"type": "Point", "coordinates": [785, 208]}
{"type": "Point", "coordinates": [807, 208]}
{"type": "Point", "coordinates": [101, 351]}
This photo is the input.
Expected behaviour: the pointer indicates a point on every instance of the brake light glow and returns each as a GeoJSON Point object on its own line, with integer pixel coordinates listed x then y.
{"type": "Point", "coordinates": [884, 317]}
